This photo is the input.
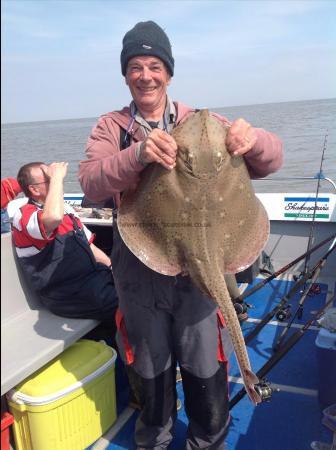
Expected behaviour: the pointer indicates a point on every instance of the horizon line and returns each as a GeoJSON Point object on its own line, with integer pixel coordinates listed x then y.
{"type": "Point", "coordinates": [204, 107]}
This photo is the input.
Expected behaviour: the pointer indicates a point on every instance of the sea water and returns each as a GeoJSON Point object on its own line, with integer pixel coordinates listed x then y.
{"type": "Point", "coordinates": [302, 126]}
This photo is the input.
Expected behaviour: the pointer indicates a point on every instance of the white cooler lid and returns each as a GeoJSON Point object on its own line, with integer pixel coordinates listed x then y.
{"type": "Point", "coordinates": [78, 365]}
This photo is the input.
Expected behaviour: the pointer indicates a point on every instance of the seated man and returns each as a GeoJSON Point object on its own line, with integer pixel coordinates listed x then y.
{"type": "Point", "coordinates": [72, 276]}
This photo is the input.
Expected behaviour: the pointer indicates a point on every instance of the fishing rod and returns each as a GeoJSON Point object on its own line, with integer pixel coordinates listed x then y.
{"type": "Point", "coordinates": [298, 312]}
{"type": "Point", "coordinates": [319, 176]}
{"type": "Point", "coordinates": [267, 280]}
{"type": "Point", "coordinates": [284, 301]}
{"type": "Point", "coordinates": [264, 388]}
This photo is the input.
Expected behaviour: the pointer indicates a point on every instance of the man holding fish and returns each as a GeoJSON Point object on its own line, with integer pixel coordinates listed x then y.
{"type": "Point", "coordinates": [164, 320]}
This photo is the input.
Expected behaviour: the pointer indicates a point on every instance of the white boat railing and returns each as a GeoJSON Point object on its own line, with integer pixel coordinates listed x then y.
{"type": "Point", "coordinates": [316, 177]}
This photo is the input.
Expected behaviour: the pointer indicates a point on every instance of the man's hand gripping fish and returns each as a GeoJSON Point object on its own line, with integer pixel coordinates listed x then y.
{"type": "Point", "coordinates": [202, 217]}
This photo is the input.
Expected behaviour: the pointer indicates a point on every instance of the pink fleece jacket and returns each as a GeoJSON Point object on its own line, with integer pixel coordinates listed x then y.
{"type": "Point", "coordinates": [107, 171]}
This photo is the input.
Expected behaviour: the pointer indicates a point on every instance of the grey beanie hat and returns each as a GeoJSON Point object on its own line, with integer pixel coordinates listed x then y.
{"type": "Point", "coordinates": [146, 38]}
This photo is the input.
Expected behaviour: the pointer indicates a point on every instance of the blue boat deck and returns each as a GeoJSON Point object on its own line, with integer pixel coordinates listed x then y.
{"type": "Point", "coordinates": [292, 419]}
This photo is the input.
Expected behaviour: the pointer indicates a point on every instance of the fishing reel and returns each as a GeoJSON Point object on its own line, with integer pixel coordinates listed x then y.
{"type": "Point", "coordinates": [241, 310]}
{"type": "Point", "coordinates": [264, 389]}
{"type": "Point", "coordinates": [283, 313]}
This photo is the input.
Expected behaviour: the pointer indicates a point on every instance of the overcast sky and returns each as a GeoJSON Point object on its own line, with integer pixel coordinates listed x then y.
{"type": "Point", "coordinates": [61, 58]}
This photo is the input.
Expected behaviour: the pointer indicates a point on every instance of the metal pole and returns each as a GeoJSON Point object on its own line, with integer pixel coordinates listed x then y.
{"type": "Point", "coordinates": [315, 206]}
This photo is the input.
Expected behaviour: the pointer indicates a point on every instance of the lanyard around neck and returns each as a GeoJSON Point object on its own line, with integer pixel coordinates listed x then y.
{"type": "Point", "coordinates": [132, 120]}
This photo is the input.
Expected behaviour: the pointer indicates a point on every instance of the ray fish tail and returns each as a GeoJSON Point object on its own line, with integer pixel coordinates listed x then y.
{"type": "Point", "coordinates": [210, 280]}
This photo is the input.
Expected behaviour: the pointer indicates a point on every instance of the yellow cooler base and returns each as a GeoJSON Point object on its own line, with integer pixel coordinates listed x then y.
{"type": "Point", "coordinates": [73, 422]}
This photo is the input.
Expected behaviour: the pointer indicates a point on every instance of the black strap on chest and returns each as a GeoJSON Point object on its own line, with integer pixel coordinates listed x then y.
{"type": "Point", "coordinates": [125, 139]}
{"type": "Point", "coordinates": [74, 223]}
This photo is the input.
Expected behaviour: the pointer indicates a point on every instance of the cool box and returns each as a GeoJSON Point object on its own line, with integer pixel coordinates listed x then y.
{"type": "Point", "coordinates": [69, 403]}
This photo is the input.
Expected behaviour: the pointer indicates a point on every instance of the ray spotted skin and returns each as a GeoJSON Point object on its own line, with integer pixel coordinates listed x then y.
{"type": "Point", "coordinates": [202, 217]}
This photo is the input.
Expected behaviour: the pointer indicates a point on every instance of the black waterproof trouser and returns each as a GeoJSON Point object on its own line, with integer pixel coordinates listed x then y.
{"type": "Point", "coordinates": [69, 280]}
{"type": "Point", "coordinates": [163, 321]}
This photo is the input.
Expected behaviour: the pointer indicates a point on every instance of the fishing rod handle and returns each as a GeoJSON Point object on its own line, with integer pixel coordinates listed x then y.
{"type": "Point", "coordinates": [262, 283]}
{"type": "Point", "coordinates": [277, 308]}
{"type": "Point", "coordinates": [312, 273]}
{"type": "Point", "coordinates": [301, 302]}
{"type": "Point", "coordinates": [315, 272]}
{"type": "Point", "coordinates": [292, 340]}
{"type": "Point", "coordinates": [282, 351]}
{"type": "Point", "coordinates": [303, 329]}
